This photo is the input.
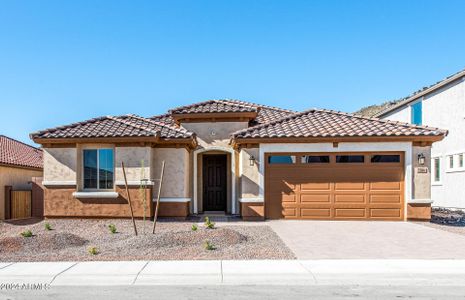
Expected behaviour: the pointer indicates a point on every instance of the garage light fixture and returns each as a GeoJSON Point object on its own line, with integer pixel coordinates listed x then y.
{"type": "Point", "coordinates": [421, 159]}
{"type": "Point", "coordinates": [251, 160]}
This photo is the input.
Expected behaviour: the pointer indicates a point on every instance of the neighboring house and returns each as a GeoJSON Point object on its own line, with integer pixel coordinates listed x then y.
{"type": "Point", "coordinates": [239, 158]}
{"type": "Point", "coordinates": [19, 163]}
{"type": "Point", "coordinates": [440, 105]}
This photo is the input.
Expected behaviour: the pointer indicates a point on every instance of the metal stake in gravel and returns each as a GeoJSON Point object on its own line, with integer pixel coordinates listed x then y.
{"type": "Point", "coordinates": [129, 198]}
{"type": "Point", "coordinates": [158, 197]}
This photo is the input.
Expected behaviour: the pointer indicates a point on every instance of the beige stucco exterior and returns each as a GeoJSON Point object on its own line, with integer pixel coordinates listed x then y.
{"type": "Point", "coordinates": [137, 162]}
{"type": "Point", "coordinates": [214, 133]}
{"type": "Point", "coordinates": [176, 183]}
{"type": "Point", "coordinates": [249, 175]}
{"type": "Point", "coordinates": [18, 178]}
{"type": "Point", "coordinates": [421, 189]}
{"type": "Point", "coordinates": [60, 164]}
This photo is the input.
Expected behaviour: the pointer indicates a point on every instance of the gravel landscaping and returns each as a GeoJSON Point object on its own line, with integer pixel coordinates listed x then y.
{"type": "Point", "coordinates": [70, 240]}
{"type": "Point", "coordinates": [447, 220]}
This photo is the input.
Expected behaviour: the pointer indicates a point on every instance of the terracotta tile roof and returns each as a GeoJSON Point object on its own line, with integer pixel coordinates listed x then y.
{"type": "Point", "coordinates": [16, 153]}
{"type": "Point", "coordinates": [108, 126]}
{"type": "Point", "coordinates": [215, 106]}
{"type": "Point", "coordinates": [265, 113]}
{"type": "Point", "coordinates": [326, 123]}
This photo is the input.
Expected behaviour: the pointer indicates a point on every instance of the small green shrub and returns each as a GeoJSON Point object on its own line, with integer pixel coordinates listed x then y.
{"type": "Point", "coordinates": [93, 250]}
{"type": "Point", "coordinates": [27, 233]}
{"type": "Point", "coordinates": [194, 227]}
{"type": "Point", "coordinates": [48, 226]}
{"type": "Point", "coordinates": [209, 224]}
{"type": "Point", "coordinates": [208, 245]}
{"type": "Point", "coordinates": [112, 228]}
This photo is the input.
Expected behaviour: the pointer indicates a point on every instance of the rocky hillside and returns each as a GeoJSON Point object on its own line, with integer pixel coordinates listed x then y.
{"type": "Point", "coordinates": [370, 111]}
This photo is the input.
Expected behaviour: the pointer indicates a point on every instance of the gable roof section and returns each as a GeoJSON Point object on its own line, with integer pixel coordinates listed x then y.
{"type": "Point", "coordinates": [109, 126]}
{"type": "Point", "coordinates": [424, 91]}
{"type": "Point", "coordinates": [265, 113]}
{"type": "Point", "coordinates": [215, 106]}
{"type": "Point", "coordinates": [18, 154]}
{"type": "Point", "coordinates": [318, 123]}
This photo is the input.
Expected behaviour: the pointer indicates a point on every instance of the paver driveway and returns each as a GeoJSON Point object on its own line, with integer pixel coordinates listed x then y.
{"type": "Point", "coordinates": [367, 240]}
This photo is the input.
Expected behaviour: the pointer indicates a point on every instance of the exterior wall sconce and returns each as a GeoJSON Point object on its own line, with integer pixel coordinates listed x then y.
{"type": "Point", "coordinates": [421, 159]}
{"type": "Point", "coordinates": [251, 160]}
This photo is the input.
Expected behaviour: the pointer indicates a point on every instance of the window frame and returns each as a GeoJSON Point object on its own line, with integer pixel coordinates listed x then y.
{"type": "Point", "coordinates": [413, 114]}
{"type": "Point", "coordinates": [349, 162]}
{"type": "Point", "coordinates": [436, 161]}
{"type": "Point", "coordinates": [97, 149]}
{"type": "Point", "coordinates": [293, 157]}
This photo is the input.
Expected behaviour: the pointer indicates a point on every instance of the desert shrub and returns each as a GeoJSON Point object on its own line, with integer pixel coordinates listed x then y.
{"type": "Point", "coordinates": [27, 233]}
{"type": "Point", "coordinates": [93, 250]}
{"type": "Point", "coordinates": [209, 224]}
{"type": "Point", "coordinates": [48, 226]}
{"type": "Point", "coordinates": [208, 245]}
{"type": "Point", "coordinates": [194, 227]}
{"type": "Point", "coordinates": [112, 228]}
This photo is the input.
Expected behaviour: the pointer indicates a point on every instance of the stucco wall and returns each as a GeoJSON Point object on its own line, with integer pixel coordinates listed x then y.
{"type": "Point", "coordinates": [421, 188]}
{"type": "Point", "coordinates": [133, 158]}
{"type": "Point", "coordinates": [444, 108]}
{"type": "Point", "coordinates": [214, 133]}
{"type": "Point", "coordinates": [176, 178]}
{"type": "Point", "coordinates": [249, 175]}
{"type": "Point", "coordinates": [18, 178]}
{"type": "Point", "coordinates": [60, 164]}
{"type": "Point", "coordinates": [215, 136]}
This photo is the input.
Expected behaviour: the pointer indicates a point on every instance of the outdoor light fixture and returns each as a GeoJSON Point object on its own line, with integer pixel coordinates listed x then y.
{"type": "Point", "coordinates": [421, 159]}
{"type": "Point", "coordinates": [251, 160]}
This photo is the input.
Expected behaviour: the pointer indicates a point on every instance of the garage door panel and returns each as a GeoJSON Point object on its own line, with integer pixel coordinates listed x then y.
{"type": "Point", "coordinates": [335, 191]}
{"type": "Point", "coordinates": [315, 186]}
{"type": "Point", "coordinates": [315, 198]}
{"type": "Point", "coordinates": [349, 186]}
{"type": "Point", "coordinates": [385, 213]}
{"type": "Point", "coordinates": [349, 198]}
{"type": "Point", "coordinates": [385, 186]}
{"type": "Point", "coordinates": [385, 198]}
{"type": "Point", "coordinates": [290, 212]}
{"type": "Point", "coordinates": [289, 198]}
{"type": "Point", "coordinates": [315, 213]}
{"type": "Point", "coordinates": [350, 213]}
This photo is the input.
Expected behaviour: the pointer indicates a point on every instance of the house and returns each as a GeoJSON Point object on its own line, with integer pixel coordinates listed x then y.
{"type": "Point", "coordinates": [19, 164]}
{"type": "Point", "coordinates": [239, 158]}
{"type": "Point", "coordinates": [443, 105]}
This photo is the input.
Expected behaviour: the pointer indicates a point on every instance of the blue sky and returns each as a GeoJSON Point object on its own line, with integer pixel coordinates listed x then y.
{"type": "Point", "coordinates": [67, 61]}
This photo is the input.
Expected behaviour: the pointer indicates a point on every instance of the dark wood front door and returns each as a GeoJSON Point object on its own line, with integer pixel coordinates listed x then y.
{"type": "Point", "coordinates": [214, 182]}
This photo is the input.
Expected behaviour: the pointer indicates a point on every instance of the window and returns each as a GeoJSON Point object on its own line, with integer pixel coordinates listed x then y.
{"type": "Point", "coordinates": [451, 161]}
{"type": "Point", "coordinates": [385, 158]}
{"type": "Point", "coordinates": [416, 112]}
{"type": "Point", "coordinates": [350, 158]}
{"type": "Point", "coordinates": [437, 169]}
{"type": "Point", "coordinates": [98, 169]}
{"type": "Point", "coordinates": [281, 159]}
{"type": "Point", "coordinates": [460, 160]}
{"type": "Point", "coordinates": [315, 159]}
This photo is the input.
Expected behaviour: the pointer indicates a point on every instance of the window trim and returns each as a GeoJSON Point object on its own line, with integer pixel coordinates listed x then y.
{"type": "Point", "coordinates": [419, 102]}
{"type": "Point", "coordinates": [348, 162]}
{"type": "Point", "coordinates": [292, 156]}
{"type": "Point", "coordinates": [433, 172]}
{"type": "Point", "coordinates": [98, 189]}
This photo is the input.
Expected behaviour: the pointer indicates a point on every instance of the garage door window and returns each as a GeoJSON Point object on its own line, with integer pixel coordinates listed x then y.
{"type": "Point", "coordinates": [350, 158]}
{"type": "Point", "coordinates": [385, 158]}
{"type": "Point", "coordinates": [281, 159]}
{"type": "Point", "coordinates": [315, 159]}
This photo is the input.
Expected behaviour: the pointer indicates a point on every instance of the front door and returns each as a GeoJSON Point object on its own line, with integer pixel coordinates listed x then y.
{"type": "Point", "coordinates": [214, 182]}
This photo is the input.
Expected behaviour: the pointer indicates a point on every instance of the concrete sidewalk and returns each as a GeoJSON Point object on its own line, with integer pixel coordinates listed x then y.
{"type": "Point", "coordinates": [238, 272]}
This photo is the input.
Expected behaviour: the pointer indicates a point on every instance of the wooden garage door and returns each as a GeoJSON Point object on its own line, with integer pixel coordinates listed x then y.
{"type": "Point", "coordinates": [344, 186]}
